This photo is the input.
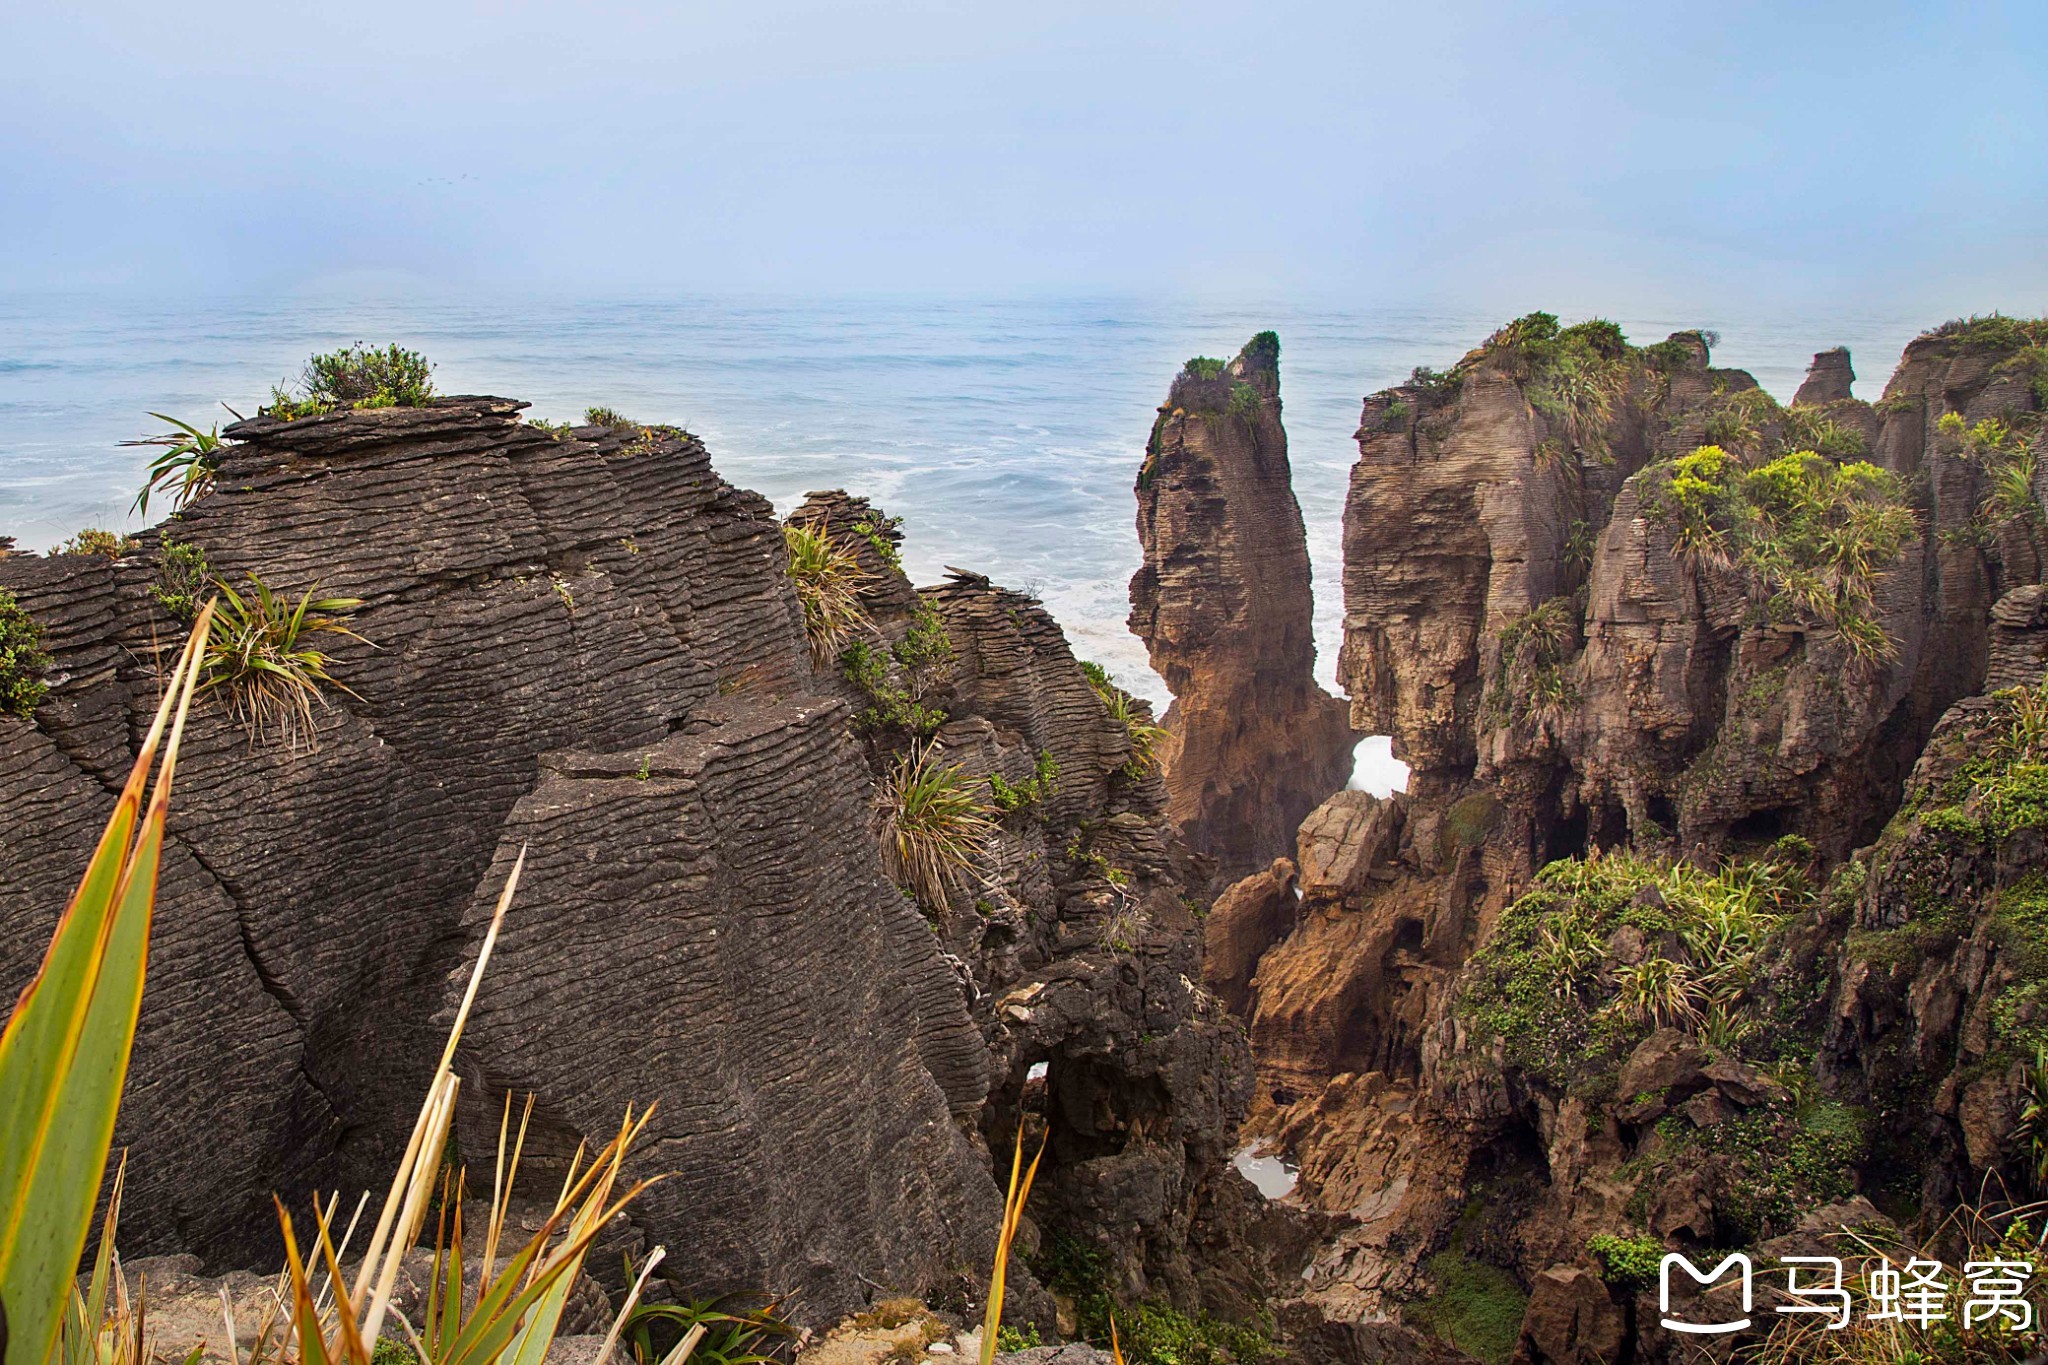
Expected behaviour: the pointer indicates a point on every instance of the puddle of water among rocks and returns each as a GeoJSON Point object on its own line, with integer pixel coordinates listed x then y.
{"type": "Point", "coordinates": [1275, 1177]}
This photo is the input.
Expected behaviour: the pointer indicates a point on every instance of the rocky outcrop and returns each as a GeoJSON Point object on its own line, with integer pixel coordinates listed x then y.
{"type": "Point", "coordinates": [585, 645]}
{"type": "Point", "coordinates": [1074, 933]}
{"type": "Point", "coordinates": [1829, 379]}
{"type": "Point", "coordinates": [1224, 606]}
{"type": "Point", "coordinates": [1531, 615]}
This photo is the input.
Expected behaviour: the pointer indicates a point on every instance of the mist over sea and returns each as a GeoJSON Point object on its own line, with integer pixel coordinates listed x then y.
{"type": "Point", "coordinates": [1005, 432]}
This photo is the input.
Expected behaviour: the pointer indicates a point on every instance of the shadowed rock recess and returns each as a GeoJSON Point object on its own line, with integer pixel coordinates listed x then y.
{"type": "Point", "coordinates": [586, 644]}
{"type": "Point", "coordinates": [1224, 607]}
{"type": "Point", "coordinates": [1596, 642]}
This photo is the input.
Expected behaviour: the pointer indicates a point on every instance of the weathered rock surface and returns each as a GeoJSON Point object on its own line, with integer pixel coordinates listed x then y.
{"type": "Point", "coordinates": [1828, 379]}
{"type": "Point", "coordinates": [1224, 607]}
{"type": "Point", "coordinates": [584, 646]}
{"type": "Point", "coordinates": [1566, 682]}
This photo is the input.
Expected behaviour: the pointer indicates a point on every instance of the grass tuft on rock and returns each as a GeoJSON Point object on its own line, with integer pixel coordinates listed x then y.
{"type": "Point", "coordinates": [829, 578]}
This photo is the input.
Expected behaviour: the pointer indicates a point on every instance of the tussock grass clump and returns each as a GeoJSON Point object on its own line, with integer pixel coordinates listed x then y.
{"type": "Point", "coordinates": [356, 376]}
{"type": "Point", "coordinates": [934, 826]}
{"type": "Point", "coordinates": [2006, 456]}
{"type": "Point", "coordinates": [22, 659]}
{"type": "Point", "coordinates": [261, 660]}
{"type": "Point", "coordinates": [606, 417]}
{"type": "Point", "coordinates": [1531, 675]}
{"type": "Point", "coordinates": [828, 578]}
{"type": "Point", "coordinates": [1811, 536]}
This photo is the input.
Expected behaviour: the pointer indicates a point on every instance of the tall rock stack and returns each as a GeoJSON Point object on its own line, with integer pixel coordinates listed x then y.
{"type": "Point", "coordinates": [1223, 604]}
{"type": "Point", "coordinates": [1828, 379]}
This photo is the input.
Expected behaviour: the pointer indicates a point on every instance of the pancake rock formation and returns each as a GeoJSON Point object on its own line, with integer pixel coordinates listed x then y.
{"type": "Point", "coordinates": [1223, 604]}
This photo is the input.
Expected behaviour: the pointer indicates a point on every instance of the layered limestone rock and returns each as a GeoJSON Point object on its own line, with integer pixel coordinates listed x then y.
{"type": "Point", "coordinates": [1074, 931]}
{"type": "Point", "coordinates": [583, 646]}
{"type": "Point", "coordinates": [1223, 604]}
{"type": "Point", "coordinates": [1829, 379]}
{"type": "Point", "coordinates": [1580, 665]}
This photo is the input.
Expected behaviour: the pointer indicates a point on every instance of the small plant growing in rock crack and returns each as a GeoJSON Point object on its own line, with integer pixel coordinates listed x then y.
{"type": "Point", "coordinates": [186, 467]}
{"type": "Point", "coordinates": [182, 578]}
{"type": "Point", "coordinates": [606, 417]}
{"type": "Point", "coordinates": [935, 826]}
{"type": "Point", "coordinates": [1031, 793]}
{"type": "Point", "coordinates": [260, 659]}
{"type": "Point", "coordinates": [889, 707]}
{"type": "Point", "coordinates": [829, 578]}
{"type": "Point", "coordinates": [1627, 1263]}
{"type": "Point", "coordinates": [877, 532]}
{"type": "Point", "coordinates": [1136, 720]}
{"type": "Point", "coordinates": [356, 376]}
{"type": "Point", "coordinates": [22, 659]}
{"type": "Point", "coordinates": [561, 587]}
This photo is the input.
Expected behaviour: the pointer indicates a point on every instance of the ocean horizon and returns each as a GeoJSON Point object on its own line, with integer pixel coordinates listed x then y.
{"type": "Point", "coordinates": [1006, 433]}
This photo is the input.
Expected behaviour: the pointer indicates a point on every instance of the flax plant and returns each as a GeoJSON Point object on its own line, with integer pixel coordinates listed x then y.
{"type": "Point", "coordinates": [828, 578]}
{"type": "Point", "coordinates": [261, 660]}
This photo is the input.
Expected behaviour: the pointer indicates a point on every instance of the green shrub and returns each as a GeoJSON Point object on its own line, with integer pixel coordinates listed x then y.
{"type": "Point", "coordinates": [879, 532]}
{"type": "Point", "coordinates": [1530, 674]}
{"type": "Point", "coordinates": [1132, 714]}
{"type": "Point", "coordinates": [1994, 332]}
{"type": "Point", "coordinates": [356, 376]}
{"type": "Point", "coordinates": [1032, 792]}
{"type": "Point", "coordinates": [1203, 367]}
{"type": "Point", "coordinates": [889, 707]}
{"type": "Point", "coordinates": [1245, 403]}
{"type": "Point", "coordinates": [183, 579]}
{"type": "Point", "coordinates": [606, 417]}
{"type": "Point", "coordinates": [1812, 535]}
{"type": "Point", "coordinates": [1010, 1338]}
{"type": "Point", "coordinates": [1542, 983]}
{"type": "Point", "coordinates": [2005, 455]}
{"type": "Point", "coordinates": [93, 541]}
{"type": "Point", "coordinates": [1808, 427]}
{"type": "Point", "coordinates": [1478, 1307]}
{"type": "Point", "coordinates": [1627, 1263]}
{"type": "Point", "coordinates": [1436, 386]}
{"type": "Point", "coordinates": [22, 659]}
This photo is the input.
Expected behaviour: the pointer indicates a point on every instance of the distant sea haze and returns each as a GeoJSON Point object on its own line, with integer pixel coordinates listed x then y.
{"type": "Point", "coordinates": [1005, 433]}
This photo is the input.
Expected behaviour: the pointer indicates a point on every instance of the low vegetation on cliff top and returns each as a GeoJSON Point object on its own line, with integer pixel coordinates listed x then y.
{"type": "Point", "coordinates": [1811, 537]}
{"type": "Point", "coordinates": [22, 659]}
{"type": "Point", "coordinates": [356, 376]}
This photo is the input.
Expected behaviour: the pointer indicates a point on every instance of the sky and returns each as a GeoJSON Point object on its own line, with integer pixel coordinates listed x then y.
{"type": "Point", "coordinates": [1661, 156]}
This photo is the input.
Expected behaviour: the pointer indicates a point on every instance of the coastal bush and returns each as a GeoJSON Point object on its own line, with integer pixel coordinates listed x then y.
{"type": "Point", "coordinates": [1477, 1307]}
{"type": "Point", "coordinates": [1572, 375]}
{"type": "Point", "coordinates": [1436, 386]}
{"type": "Point", "coordinates": [606, 417]}
{"type": "Point", "coordinates": [1148, 1333]}
{"type": "Point", "coordinates": [356, 376]}
{"type": "Point", "coordinates": [1808, 427]}
{"type": "Point", "coordinates": [934, 826]}
{"type": "Point", "coordinates": [262, 662]}
{"type": "Point", "coordinates": [22, 659]}
{"type": "Point", "coordinates": [828, 577]}
{"type": "Point", "coordinates": [1204, 367]}
{"type": "Point", "coordinates": [1811, 536]}
{"type": "Point", "coordinates": [1992, 332]}
{"type": "Point", "coordinates": [1627, 1263]}
{"type": "Point", "coordinates": [879, 533]}
{"type": "Point", "coordinates": [1567, 1014]}
{"type": "Point", "coordinates": [2006, 456]}
{"type": "Point", "coordinates": [94, 541]}
{"type": "Point", "coordinates": [182, 578]}
{"type": "Point", "coordinates": [187, 465]}
{"type": "Point", "coordinates": [889, 707]}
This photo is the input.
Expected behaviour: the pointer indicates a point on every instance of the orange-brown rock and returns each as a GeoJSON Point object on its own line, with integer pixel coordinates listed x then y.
{"type": "Point", "coordinates": [1223, 604]}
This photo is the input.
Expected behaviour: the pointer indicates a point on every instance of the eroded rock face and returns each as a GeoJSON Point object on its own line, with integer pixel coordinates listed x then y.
{"type": "Point", "coordinates": [1829, 379]}
{"type": "Point", "coordinates": [1075, 937]}
{"type": "Point", "coordinates": [1224, 607]}
{"type": "Point", "coordinates": [584, 646]}
{"type": "Point", "coordinates": [1567, 679]}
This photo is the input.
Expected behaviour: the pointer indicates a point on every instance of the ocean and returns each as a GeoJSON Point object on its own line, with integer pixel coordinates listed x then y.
{"type": "Point", "coordinates": [1005, 432]}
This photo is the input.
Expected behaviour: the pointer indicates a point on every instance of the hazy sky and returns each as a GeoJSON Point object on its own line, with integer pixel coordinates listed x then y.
{"type": "Point", "coordinates": [1639, 154]}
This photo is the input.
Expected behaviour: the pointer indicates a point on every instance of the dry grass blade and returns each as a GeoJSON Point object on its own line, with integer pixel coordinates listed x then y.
{"type": "Point", "coordinates": [1013, 1215]}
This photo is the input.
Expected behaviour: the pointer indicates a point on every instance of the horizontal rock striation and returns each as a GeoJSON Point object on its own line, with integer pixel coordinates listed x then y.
{"type": "Point", "coordinates": [1223, 604]}
{"type": "Point", "coordinates": [582, 645]}
{"type": "Point", "coordinates": [1580, 667]}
